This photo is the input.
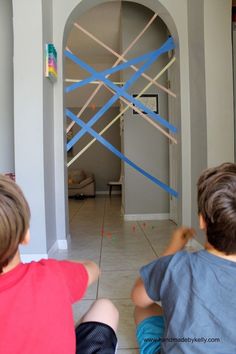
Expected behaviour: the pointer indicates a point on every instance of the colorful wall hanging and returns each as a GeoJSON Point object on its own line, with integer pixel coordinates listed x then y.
{"type": "Point", "coordinates": [51, 62]}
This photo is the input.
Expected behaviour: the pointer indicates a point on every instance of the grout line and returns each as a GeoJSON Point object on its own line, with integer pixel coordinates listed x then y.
{"type": "Point", "coordinates": [147, 239]}
{"type": "Point", "coordinates": [76, 212]}
{"type": "Point", "coordinates": [101, 235]}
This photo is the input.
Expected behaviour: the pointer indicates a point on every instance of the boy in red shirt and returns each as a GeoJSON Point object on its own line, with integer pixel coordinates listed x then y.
{"type": "Point", "coordinates": [35, 298]}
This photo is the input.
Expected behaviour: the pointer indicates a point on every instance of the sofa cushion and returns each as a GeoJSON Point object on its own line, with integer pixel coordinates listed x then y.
{"type": "Point", "coordinates": [76, 176]}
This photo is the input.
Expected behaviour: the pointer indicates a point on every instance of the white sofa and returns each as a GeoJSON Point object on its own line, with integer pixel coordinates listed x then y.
{"type": "Point", "coordinates": [81, 183]}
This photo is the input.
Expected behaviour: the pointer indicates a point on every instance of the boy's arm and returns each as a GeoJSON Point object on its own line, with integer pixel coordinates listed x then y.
{"type": "Point", "coordinates": [91, 268]}
{"type": "Point", "coordinates": [139, 295]}
{"type": "Point", "coordinates": [178, 241]}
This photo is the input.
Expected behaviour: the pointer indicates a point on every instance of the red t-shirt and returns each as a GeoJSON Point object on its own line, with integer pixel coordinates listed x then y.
{"type": "Point", "coordinates": [35, 307]}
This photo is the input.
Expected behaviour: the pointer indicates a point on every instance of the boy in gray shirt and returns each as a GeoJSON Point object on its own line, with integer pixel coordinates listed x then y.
{"type": "Point", "coordinates": [197, 290]}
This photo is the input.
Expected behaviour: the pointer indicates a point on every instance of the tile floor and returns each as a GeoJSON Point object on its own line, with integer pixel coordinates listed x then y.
{"type": "Point", "coordinates": [98, 232]}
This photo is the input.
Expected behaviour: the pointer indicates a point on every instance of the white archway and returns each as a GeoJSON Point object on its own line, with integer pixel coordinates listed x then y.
{"type": "Point", "coordinates": [177, 24]}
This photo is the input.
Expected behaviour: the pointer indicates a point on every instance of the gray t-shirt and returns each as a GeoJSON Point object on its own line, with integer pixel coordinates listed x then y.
{"type": "Point", "coordinates": [198, 295]}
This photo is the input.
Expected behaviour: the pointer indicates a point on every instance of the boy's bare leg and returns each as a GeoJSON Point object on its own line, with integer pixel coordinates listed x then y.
{"type": "Point", "coordinates": [141, 313]}
{"type": "Point", "coordinates": [103, 311]}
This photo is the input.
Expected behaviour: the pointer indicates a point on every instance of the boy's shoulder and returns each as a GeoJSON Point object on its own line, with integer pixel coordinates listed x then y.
{"type": "Point", "coordinates": [183, 256]}
{"type": "Point", "coordinates": [42, 264]}
{"type": "Point", "coordinates": [54, 267]}
{"type": "Point", "coordinates": [197, 265]}
{"type": "Point", "coordinates": [174, 264]}
{"type": "Point", "coordinates": [194, 259]}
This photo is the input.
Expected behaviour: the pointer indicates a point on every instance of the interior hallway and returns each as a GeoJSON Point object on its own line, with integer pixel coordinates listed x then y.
{"type": "Point", "coordinates": [98, 232]}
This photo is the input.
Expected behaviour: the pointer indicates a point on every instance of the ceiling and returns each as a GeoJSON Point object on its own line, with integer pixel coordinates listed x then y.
{"type": "Point", "coordinates": [102, 21]}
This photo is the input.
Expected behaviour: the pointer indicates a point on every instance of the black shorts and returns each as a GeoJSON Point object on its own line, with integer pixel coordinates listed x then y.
{"type": "Point", "coordinates": [95, 338]}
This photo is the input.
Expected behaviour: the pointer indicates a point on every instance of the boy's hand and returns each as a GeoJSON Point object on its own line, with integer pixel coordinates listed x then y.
{"type": "Point", "coordinates": [179, 239]}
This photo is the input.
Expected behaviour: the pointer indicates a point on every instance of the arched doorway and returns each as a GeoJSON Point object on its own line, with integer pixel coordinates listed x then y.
{"type": "Point", "coordinates": [154, 39]}
{"type": "Point", "coordinates": [177, 25]}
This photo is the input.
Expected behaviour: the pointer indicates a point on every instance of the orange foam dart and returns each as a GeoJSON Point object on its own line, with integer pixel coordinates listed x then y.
{"type": "Point", "coordinates": [144, 224]}
{"type": "Point", "coordinates": [93, 106]}
{"type": "Point", "coordinates": [109, 235]}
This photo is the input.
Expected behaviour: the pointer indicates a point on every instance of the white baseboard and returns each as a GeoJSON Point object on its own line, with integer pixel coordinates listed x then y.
{"type": "Point", "coordinates": [58, 245]}
{"type": "Point", "coordinates": [62, 244]}
{"type": "Point", "coordinates": [107, 192]}
{"type": "Point", "coordinates": [53, 249]}
{"type": "Point", "coordinates": [137, 217]}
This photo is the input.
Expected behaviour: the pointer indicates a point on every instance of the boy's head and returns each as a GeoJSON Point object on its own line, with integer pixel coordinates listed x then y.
{"type": "Point", "coordinates": [217, 206]}
{"type": "Point", "coordinates": [14, 219]}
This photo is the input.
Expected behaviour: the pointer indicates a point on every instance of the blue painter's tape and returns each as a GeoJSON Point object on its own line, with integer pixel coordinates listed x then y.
{"type": "Point", "coordinates": [140, 105]}
{"type": "Point", "coordinates": [136, 75]}
{"type": "Point", "coordinates": [169, 44]}
{"type": "Point", "coordinates": [107, 71]}
{"type": "Point", "coordinates": [120, 155]}
{"type": "Point", "coordinates": [93, 120]}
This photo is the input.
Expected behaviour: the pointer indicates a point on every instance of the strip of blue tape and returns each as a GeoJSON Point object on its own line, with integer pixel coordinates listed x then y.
{"type": "Point", "coordinates": [152, 57]}
{"type": "Point", "coordinates": [95, 118]}
{"type": "Point", "coordinates": [168, 45]}
{"type": "Point", "coordinates": [120, 155]}
{"type": "Point", "coordinates": [107, 71]}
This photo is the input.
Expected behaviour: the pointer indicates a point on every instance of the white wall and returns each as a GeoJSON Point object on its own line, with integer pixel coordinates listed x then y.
{"type": "Point", "coordinates": [143, 144]}
{"type": "Point", "coordinates": [174, 14]}
{"type": "Point", "coordinates": [197, 99]}
{"type": "Point", "coordinates": [48, 135]}
{"type": "Point", "coordinates": [28, 115]}
{"type": "Point", "coordinates": [6, 88]}
{"type": "Point", "coordinates": [219, 81]}
{"type": "Point", "coordinates": [234, 81]}
{"type": "Point", "coordinates": [33, 119]}
{"type": "Point", "coordinates": [211, 90]}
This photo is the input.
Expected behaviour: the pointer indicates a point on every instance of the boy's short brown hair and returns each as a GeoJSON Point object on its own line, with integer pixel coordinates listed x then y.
{"type": "Point", "coordinates": [14, 219]}
{"type": "Point", "coordinates": [217, 205]}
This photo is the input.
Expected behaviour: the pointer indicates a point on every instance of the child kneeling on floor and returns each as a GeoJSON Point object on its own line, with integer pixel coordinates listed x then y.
{"type": "Point", "coordinates": [36, 298]}
{"type": "Point", "coordinates": [197, 290]}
